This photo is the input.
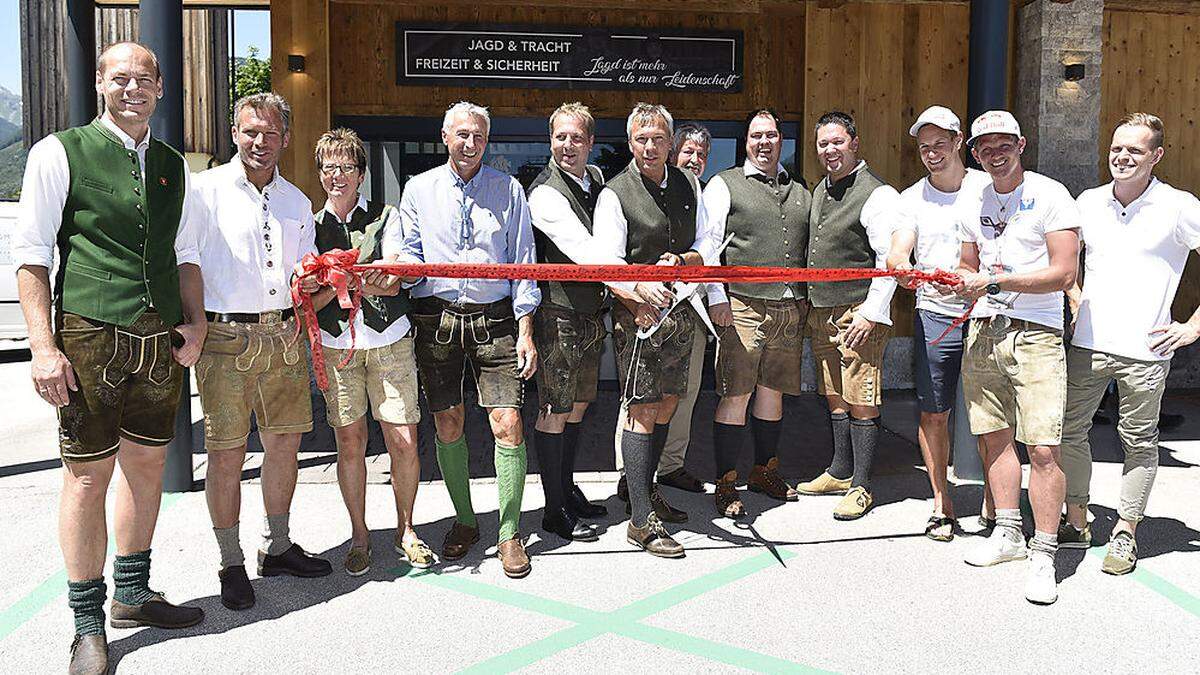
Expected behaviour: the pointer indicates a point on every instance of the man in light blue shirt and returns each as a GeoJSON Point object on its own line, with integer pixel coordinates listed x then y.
{"type": "Point", "coordinates": [465, 212]}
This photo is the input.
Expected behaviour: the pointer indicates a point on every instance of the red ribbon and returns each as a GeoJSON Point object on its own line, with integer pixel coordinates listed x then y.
{"type": "Point", "coordinates": [337, 268]}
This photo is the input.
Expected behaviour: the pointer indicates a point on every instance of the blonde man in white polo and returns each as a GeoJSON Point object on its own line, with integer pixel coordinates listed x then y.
{"type": "Point", "coordinates": [1134, 228]}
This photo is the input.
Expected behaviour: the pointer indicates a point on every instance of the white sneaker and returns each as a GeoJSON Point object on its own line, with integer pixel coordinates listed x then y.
{"type": "Point", "coordinates": [1041, 588]}
{"type": "Point", "coordinates": [1003, 545]}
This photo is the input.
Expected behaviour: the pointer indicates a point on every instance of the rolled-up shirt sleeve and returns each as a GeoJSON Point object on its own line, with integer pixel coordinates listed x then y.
{"type": "Point", "coordinates": [609, 227]}
{"type": "Point", "coordinates": [39, 212]}
{"type": "Point", "coordinates": [880, 215]}
{"type": "Point", "coordinates": [716, 212]}
{"type": "Point", "coordinates": [393, 235]}
{"type": "Point", "coordinates": [552, 215]}
{"type": "Point", "coordinates": [191, 220]}
{"type": "Point", "coordinates": [526, 296]}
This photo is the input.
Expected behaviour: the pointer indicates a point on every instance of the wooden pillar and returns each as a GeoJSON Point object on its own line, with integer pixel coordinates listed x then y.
{"type": "Point", "coordinates": [301, 27]}
{"type": "Point", "coordinates": [44, 86]}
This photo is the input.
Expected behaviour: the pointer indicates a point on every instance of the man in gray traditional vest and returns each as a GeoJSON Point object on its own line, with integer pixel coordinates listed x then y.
{"type": "Point", "coordinates": [651, 213]}
{"type": "Point", "coordinates": [568, 328]}
{"type": "Point", "coordinates": [761, 326]}
{"type": "Point", "coordinates": [850, 226]}
{"type": "Point", "coordinates": [113, 201]}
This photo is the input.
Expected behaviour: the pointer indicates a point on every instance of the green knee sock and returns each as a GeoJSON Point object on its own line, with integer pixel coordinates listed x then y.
{"type": "Point", "coordinates": [131, 578]}
{"type": "Point", "coordinates": [452, 460]}
{"type": "Point", "coordinates": [86, 599]}
{"type": "Point", "coordinates": [510, 483]}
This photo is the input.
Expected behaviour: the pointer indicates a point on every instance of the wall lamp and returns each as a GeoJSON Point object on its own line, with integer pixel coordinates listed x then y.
{"type": "Point", "coordinates": [296, 63]}
{"type": "Point", "coordinates": [1073, 72]}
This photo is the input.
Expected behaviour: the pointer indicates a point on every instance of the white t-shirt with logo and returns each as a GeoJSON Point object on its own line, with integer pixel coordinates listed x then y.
{"type": "Point", "coordinates": [1134, 260]}
{"type": "Point", "coordinates": [937, 217]}
{"type": "Point", "coordinates": [1011, 235]}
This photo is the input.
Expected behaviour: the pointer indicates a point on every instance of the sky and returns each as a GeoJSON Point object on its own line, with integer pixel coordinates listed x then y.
{"type": "Point", "coordinates": [251, 27]}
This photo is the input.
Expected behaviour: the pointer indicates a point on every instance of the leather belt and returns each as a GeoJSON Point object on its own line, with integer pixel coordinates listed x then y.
{"type": "Point", "coordinates": [273, 316]}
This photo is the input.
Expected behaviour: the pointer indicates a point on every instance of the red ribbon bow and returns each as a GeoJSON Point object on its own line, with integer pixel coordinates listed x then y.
{"type": "Point", "coordinates": [333, 268]}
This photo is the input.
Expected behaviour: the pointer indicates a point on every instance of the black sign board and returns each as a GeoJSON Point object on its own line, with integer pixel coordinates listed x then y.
{"type": "Point", "coordinates": [477, 55]}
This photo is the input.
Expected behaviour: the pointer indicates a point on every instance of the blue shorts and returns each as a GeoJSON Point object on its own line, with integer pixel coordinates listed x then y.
{"type": "Point", "coordinates": [937, 366]}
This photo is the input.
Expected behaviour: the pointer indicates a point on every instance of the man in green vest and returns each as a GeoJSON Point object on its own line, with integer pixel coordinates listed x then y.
{"type": "Point", "coordinates": [850, 225]}
{"type": "Point", "coordinates": [128, 318]}
{"type": "Point", "coordinates": [761, 325]}
{"type": "Point", "coordinates": [651, 213]}
{"type": "Point", "coordinates": [382, 370]}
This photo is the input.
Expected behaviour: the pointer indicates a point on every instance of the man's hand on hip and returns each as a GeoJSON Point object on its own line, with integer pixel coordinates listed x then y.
{"type": "Point", "coordinates": [858, 332]}
{"type": "Point", "coordinates": [721, 314]}
{"type": "Point", "coordinates": [193, 341]}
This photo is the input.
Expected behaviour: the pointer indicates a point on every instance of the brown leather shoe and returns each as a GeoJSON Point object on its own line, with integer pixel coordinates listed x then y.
{"type": "Point", "coordinates": [458, 541]}
{"type": "Point", "coordinates": [89, 655]}
{"type": "Point", "coordinates": [766, 479]}
{"type": "Point", "coordinates": [155, 612]}
{"type": "Point", "coordinates": [653, 538]}
{"type": "Point", "coordinates": [666, 512]}
{"type": "Point", "coordinates": [728, 502]}
{"type": "Point", "coordinates": [513, 557]}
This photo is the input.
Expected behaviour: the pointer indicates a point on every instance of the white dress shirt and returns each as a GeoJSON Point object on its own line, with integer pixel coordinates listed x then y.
{"type": "Point", "coordinates": [251, 240]}
{"type": "Point", "coordinates": [552, 214]}
{"type": "Point", "coordinates": [610, 229]}
{"type": "Point", "coordinates": [1134, 260]}
{"type": "Point", "coordinates": [366, 337]}
{"type": "Point", "coordinates": [44, 192]}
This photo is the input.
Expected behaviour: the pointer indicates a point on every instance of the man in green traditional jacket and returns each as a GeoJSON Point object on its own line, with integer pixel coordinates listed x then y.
{"type": "Point", "coordinates": [129, 317]}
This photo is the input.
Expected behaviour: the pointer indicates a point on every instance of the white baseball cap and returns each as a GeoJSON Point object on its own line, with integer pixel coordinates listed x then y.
{"type": "Point", "coordinates": [994, 122]}
{"type": "Point", "coordinates": [939, 116]}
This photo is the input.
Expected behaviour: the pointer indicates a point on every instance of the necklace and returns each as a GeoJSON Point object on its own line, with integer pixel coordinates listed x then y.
{"type": "Point", "coordinates": [1005, 202]}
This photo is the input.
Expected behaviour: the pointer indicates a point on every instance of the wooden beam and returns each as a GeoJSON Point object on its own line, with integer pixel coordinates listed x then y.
{"type": "Point", "coordinates": [221, 4]}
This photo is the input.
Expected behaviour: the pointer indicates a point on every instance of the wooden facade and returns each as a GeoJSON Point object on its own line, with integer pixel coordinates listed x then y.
{"type": "Point", "coordinates": [1152, 64]}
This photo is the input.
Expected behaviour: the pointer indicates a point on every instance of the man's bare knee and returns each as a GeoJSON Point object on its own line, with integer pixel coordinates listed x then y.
{"type": "Point", "coordinates": [449, 423]}
{"type": "Point", "coordinates": [1043, 457]}
{"type": "Point", "coordinates": [506, 425]}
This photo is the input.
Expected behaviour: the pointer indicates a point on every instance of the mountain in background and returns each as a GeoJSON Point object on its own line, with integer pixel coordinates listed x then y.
{"type": "Point", "coordinates": [10, 117]}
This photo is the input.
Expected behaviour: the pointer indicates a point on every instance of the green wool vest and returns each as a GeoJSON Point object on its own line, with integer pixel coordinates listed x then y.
{"type": "Point", "coordinates": [837, 237]}
{"type": "Point", "coordinates": [364, 232]}
{"type": "Point", "coordinates": [660, 219]}
{"type": "Point", "coordinates": [583, 297]}
{"type": "Point", "coordinates": [769, 223]}
{"type": "Point", "coordinates": [117, 241]}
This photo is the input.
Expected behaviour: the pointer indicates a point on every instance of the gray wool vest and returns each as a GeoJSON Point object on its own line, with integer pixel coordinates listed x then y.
{"type": "Point", "coordinates": [837, 237]}
{"type": "Point", "coordinates": [769, 223]}
{"type": "Point", "coordinates": [582, 297]}
{"type": "Point", "coordinates": [660, 219]}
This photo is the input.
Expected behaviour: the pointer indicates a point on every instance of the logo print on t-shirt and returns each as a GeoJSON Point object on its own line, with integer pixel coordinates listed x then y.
{"type": "Point", "coordinates": [1027, 204]}
{"type": "Point", "coordinates": [997, 226]}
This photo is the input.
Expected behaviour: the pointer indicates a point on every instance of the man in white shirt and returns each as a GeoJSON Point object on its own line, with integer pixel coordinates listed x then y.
{"type": "Point", "coordinates": [651, 213]}
{"type": "Point", "coordinates": [1137, 232]}
{"type": "Point", "coordinates": [935, 207]}
{"type": "Point", "coordinates": [1021, 253]}
{"type": "Point", "coordinates": [850, 225]}
{"type": "Point", "coordinates": [258, 226]}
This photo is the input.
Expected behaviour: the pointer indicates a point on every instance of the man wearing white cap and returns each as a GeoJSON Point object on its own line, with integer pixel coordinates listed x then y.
{"type": "Point", "coordinates": [1017, 258]}
{"type": "Point", "coordinates": [937, 205]}
{"type": "Point", "coordinates": [1136, 227]}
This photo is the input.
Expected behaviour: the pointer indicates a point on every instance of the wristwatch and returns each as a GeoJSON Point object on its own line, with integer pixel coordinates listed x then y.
{"type": "Point", "coordinates": [993, 287]}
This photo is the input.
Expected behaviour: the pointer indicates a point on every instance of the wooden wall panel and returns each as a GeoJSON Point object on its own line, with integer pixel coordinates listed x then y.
{"type": "Point", "coordinates": [302, 27]}
{"type": "Point", "coordinates": [1152, 64]}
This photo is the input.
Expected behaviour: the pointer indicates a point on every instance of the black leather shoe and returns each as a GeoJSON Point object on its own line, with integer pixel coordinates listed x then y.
{"type": "Point", "coordinates": [666, 512]}
{"type": "Point", "coordinates": [294, 561]}
{"type": "Point", "coordinates": [680, 479]}
{"type": "Point", "coordinates": [155, 612]}
{"type": "Point", "coordinates": [578, 503]}
{"type": "Point", "coordinates": [566, 525]}
{"type": "Point", "coordinates": [236, 592]}
{"type": "Point", "coordinates": [89, 655]}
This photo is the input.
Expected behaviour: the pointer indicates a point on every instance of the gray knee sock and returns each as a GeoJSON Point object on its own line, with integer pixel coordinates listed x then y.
{"type": "Point", "coordinates": [275, 534]}
{"type": "Point", "coordinates": [230, 544]}
{"type": "Point", "coordinates": [842, 464]}
{"type": "Point", "coordinates": [638, 453]}
{"type": "Point", "coordinates": [864, 435]}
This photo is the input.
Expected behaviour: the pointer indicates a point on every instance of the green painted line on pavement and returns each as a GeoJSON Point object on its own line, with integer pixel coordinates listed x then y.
{"type": "Point", "coordinates": [15, 615]}
{"type": "Point", "coordinates": [713, 651]}
{"type": "Point", "coordinates": [1176, 595]}
{"type": "Point", "coordinates": [624, 621]}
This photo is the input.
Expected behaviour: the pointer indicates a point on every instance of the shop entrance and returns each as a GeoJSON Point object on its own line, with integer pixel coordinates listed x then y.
{"type": "Point", "coordinates": [399, 148]}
